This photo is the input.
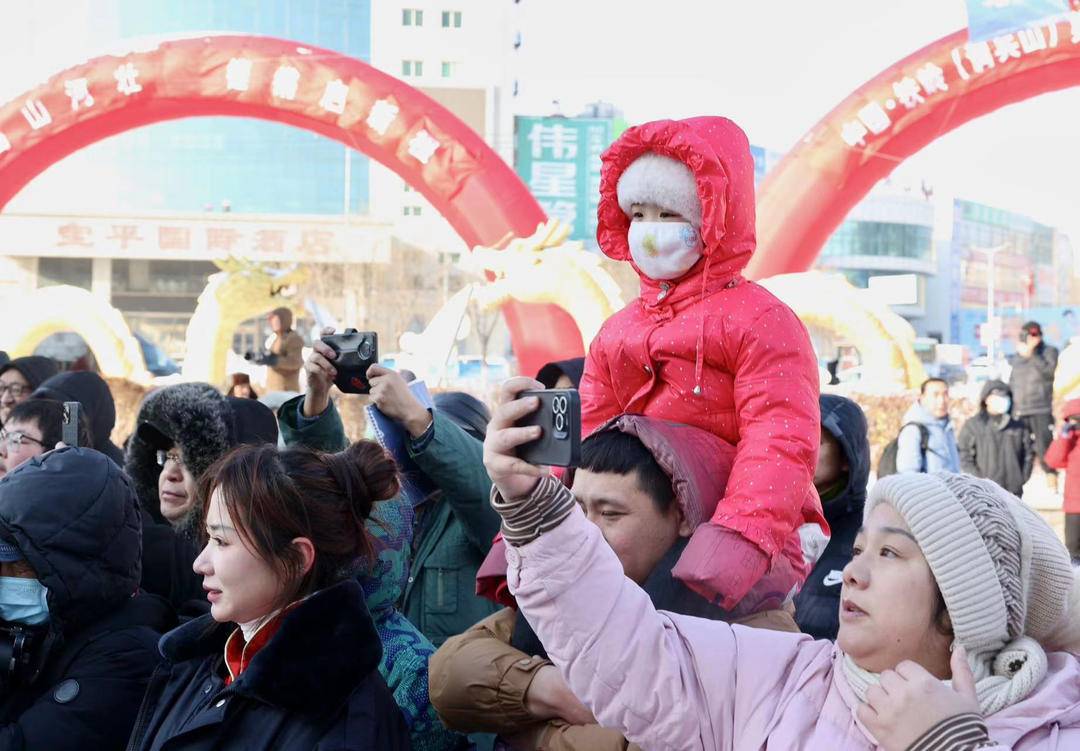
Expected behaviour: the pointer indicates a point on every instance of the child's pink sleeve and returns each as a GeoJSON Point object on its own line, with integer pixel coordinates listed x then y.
{"type": "Point", "coordinates": [769, 492]}
{"type": "Point", "coordinates": [779, 418]}
{"type": "Point", "coordinates": [598, 400]}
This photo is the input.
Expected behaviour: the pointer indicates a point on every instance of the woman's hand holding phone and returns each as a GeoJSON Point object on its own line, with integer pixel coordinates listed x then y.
{"type": "Point", "coordinates": [513, 476]}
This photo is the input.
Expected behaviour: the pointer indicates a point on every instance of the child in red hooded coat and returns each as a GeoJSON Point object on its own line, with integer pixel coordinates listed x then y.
{"type": "Point", "coordinates": [702, 345]}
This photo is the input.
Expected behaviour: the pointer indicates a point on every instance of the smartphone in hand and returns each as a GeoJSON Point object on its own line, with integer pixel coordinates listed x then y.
{"type": "Point", "coordinates": [70, 432]}
{"type": "Point", "coordinates": [559, 418]}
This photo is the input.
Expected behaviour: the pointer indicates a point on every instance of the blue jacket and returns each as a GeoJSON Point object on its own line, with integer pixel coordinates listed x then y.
{"type": "Point", "coordinates": [941, 451]}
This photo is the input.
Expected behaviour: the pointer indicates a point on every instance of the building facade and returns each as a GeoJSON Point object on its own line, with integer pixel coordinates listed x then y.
{"type": "Point", "coordinates": [141, 217]}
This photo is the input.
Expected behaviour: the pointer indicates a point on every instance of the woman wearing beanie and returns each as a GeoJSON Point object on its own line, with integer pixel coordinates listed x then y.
{"type": "Point", "coordinates": [958, 613]}
{"type": "Point", "coordinates": [288, 656]}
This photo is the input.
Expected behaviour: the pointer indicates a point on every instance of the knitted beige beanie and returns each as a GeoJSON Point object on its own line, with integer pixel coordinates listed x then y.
{"type": "Point", "coordinates": [1005, 577]}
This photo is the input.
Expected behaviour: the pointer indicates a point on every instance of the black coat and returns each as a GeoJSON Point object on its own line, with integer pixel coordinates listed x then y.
{"type": "Point", "coordinates": [1032, 381]}
{"type": "Point", "coordinates": [999, 448]}
{"type": "Point", "coordinates": [314, 685]}
{"type": "Point", "coordinates": [73, 515]}
{"type": "Point", "coordinates": [817, 606]}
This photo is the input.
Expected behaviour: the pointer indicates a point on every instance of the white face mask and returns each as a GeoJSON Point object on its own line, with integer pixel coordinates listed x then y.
{"type": "Point", "coordinates": [664, 250]}
{"type": "Point", "coordinates": [997, 404]}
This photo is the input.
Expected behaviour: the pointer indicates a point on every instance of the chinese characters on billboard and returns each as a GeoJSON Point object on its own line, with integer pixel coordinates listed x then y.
{"type": "Point", "coordinates": [559, 159]}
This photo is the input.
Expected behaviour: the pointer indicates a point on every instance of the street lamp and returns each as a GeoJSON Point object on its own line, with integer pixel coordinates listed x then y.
{"type": "Point", "coordinates": [991, 339]}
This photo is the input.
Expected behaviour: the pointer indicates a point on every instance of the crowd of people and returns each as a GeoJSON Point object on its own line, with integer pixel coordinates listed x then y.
{"type": "Point", "coordinates": [712, 574]}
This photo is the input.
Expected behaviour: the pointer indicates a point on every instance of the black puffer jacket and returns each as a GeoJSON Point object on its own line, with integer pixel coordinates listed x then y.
{"type": "Point", "coordinates": [817, 606]}
{"type": "Point", "coordinates": [205, 425]}
{"type": "Point", "coordinates": [91, 391]}
{"type": "Point", "coordinates": [315, 684]}
{"type": "Point", "coordinates": [1032, 381]}
{"type": "Point", "coordinates": [73, 515]}
{"type": "Point", "coordinates": [997, 447]}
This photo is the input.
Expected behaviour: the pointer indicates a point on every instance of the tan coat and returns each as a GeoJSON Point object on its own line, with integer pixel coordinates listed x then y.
{"type": "Point", "coordinates": [477, 683]}
{"type": "Point", "coordinates": [285, 374]}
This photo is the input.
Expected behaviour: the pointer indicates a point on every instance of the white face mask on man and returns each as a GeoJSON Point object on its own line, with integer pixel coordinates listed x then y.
{"type": "Point", "coordinates": [998, 404]}
{"type": "Point", "coordinates": [664, 250]}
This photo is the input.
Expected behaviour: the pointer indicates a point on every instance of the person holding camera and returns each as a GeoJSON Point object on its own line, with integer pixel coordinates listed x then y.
{"type": "Point", "coordinates": [312, 420]}
{"type": "Point", "coordinates": [646, 484]}
{"type": "Point", "coordinates": [285, 358]}
{"type": "Point", "coordinates": [1032, 384]}
{"type": "Point", "coordinates": [288, 657]}
{"type": "Point", "coordinates": [1064, 454]}
{"type": "Point", "coordinates": [78, 641]}
{"type": "Point", "coordinates": [959, 625]}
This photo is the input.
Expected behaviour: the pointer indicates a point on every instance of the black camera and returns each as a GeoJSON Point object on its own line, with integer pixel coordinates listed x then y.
{"type": "Point", "coordinates": [19, 648]}
{"type": "Point", "coordinates": [559, 418]}
{"type": "Point", "coordinates": [261, 358]}
{"type": "Point", "coordinates": [356, 352]}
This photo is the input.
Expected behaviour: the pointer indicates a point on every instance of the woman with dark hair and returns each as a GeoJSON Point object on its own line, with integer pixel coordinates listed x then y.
{"type": "Point", "coordinates": [288, 656]}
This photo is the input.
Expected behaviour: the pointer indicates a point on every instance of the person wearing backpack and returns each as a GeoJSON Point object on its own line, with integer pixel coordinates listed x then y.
{"type": "Point", "coordinates": [933, 449]}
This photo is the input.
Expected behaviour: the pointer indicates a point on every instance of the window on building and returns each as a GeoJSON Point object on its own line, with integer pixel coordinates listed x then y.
{"type": "Point", "coordinates": [447, 69]}
{"type": "Point", "coordinates": [76, 272]}
{"type": "Point", "coordinates": [451, 19]}
{"type": "Point", "coordinates": [859, 238]}
{"type": "Point", "coordinates": [412, 17]}
{"type": "Point", "coordinates": [411, 210]}
{"type": "Point", "coordinates": [414, 68]}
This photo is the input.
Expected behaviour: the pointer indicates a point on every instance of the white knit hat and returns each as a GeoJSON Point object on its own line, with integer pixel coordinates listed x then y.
{"type": "Point", "coordinates": [666, 182]}
{"type": "Point", "coordinates": [1005, 577]}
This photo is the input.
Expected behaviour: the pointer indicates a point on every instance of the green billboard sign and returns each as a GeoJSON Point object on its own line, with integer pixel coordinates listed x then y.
{"type": "Point", "coordinates": [559, 159]}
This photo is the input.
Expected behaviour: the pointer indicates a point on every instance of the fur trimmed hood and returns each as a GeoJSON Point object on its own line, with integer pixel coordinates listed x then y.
{"type": "Point", "coordinates": [197, 417]}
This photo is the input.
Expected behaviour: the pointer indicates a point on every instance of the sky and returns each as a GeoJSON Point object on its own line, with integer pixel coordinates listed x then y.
{"type": "Point", "coordinates": [778, 67]}
{"type": "Point", "coordinates": [774, 66]}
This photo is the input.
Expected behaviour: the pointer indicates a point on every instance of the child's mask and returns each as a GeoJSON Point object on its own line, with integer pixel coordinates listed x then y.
{"type": "Point", "coordinates": [664, 250]}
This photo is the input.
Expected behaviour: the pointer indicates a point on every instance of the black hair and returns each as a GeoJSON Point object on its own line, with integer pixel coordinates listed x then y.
{"type": "Point", "coordinates": [621, 453]}
{"type": "Point", "coordinates": [928, 381]}
{"type": "Point", "coordinates": [48, 415]}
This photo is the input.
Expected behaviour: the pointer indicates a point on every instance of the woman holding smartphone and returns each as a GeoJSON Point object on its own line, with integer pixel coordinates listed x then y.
{"type": "Point", "coordinates": [288, 656]}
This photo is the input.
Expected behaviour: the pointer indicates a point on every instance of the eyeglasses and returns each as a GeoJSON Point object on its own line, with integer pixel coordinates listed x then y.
{"type": "Point", "coordinates": [16, 390]}
{"type": "Point", "coordinates": [170, 456]}
{"type": "Point", "coordinates": [15, 439]}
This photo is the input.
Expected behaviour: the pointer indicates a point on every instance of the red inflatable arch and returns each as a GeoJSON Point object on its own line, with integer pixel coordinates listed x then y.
{"type": "Point", "coordinates": [319, 90]}
{"type": "Point", "coordinates": [806, 196]}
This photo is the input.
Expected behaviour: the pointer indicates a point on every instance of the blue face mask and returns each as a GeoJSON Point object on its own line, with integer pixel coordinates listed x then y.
{"type": "Point", "coordinates": [23, 601]}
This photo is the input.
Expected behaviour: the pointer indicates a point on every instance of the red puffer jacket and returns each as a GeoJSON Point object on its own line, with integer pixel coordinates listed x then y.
{"type": "Point", "coordinates": [716, 351]}
{"type": "Point", "coordinates": [1063, 454]}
